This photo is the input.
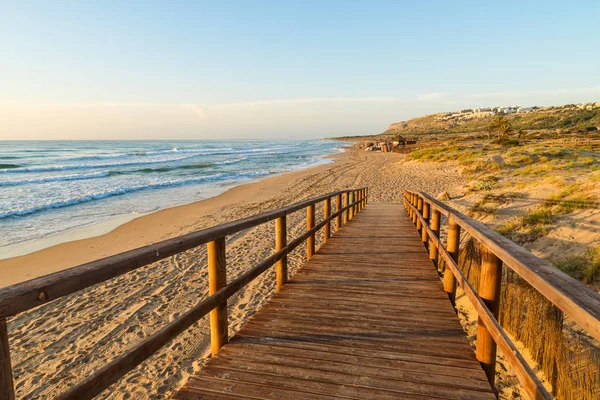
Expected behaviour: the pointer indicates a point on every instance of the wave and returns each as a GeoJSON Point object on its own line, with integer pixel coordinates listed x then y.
{"type": "Point", "coordinates": [51, 168]}
{"type": "Point", "coordinates": [174, 150]}
{"type": "Point", "coordinates": [74, 177]}
{"type": "Point", "coordinates": [187, 166]}
{"type": "Point", "coordinates": [129, 189]}
{"type": "Point", "coordinates": [9, 166]}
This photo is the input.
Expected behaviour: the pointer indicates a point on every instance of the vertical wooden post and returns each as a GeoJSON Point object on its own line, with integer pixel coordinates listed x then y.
{"type": "Point", "coordinates": [327, 214]}
{"type": "Point", "coordinates": [415, 203]}
{"type": "Point", "coordinates": [310, 223]}
{"type": "Point", "coordinates": [338, 207]}
{"type": "Point", "coordinates": [355, 199]}
{"type": "Point", "coordinates": [364, 197]}
{"type": "Point", "coordinates": [420, 210]}
{"type": "Point", "coordinates": [351, 208]}
{"type": "Point", "coordinates": [489, 290]}
{"type": "Point", "coordinates": [435, 227]}
{"type": "Point", "coordinates": [359, 198]}
{"type": "Point", "coordinates": [347, 210]}
{"type": "Point", "coordinates": [280, 243]}
{"type": "Point", "coordinates": [452, 246]}
{"type": "Point", "coordinates": [217, 278]}
{"type": "Point", "coordinates": [424, 236]}
{"type": "Point", "coordinates": [7, 390]}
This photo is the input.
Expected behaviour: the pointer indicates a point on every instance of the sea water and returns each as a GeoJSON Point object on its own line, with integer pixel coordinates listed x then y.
{"type": "Point", "coordinates": [49, 187]}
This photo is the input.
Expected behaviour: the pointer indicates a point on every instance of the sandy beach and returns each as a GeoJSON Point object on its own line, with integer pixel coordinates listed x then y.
{"type": "Point", "coordinates": [58, 344]}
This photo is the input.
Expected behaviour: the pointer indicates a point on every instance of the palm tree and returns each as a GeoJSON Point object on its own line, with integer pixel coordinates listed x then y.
{"type": "Point", "coordinates": [500, 125]}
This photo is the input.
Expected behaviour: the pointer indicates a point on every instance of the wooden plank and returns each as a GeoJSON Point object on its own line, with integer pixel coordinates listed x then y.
{"type": "Point", "coordinates": [344, 379]}
{"type": "Point", "coordinates": [323, 388]}
{"type": "Point", "coordinates": [341, 348]}
{"type": "Point", "coordinates": [456, 379]}
{"type": "Point", "coordinates": [366, 360]}
{"type": "Point", "coordinates": [366, 317]}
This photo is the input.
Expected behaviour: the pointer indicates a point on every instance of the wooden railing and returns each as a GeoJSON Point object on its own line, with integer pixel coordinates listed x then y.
{"type": "Point", "coordinates": [27, 295]}
{"type": "Point", "coordinates": [579, 302]}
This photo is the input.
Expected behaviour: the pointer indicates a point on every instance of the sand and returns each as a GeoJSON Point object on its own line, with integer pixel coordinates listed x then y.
{"type": "Point", "coordinates": [56, 345]}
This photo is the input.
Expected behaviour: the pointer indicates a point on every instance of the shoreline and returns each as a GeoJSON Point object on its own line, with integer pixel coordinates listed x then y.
{"type": "Point", "coordinates": [76, 246]}
{"type": "Point", "coordinates": [108, 225]}
{"type": "Point", "coordinates": [75, 335]}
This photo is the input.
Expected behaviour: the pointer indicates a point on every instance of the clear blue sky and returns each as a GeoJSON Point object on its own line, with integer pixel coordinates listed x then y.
{"type": "Point", "coordinates": [289, 69]}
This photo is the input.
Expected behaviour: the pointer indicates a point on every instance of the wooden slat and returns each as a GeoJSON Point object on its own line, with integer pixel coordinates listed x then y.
{"type": "Point", "coordinates": [366, 317]}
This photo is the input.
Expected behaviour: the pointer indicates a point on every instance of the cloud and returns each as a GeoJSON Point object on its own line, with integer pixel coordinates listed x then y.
{"type": "Point", "coordinates": [431, 96]}
{"type": "Point", "coordinates": [309, 100]}
{"type": "Point", "coordinates": [196, 109]}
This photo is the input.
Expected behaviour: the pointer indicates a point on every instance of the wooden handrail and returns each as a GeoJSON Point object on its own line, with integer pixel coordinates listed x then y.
{"type": "Point", "coordinates": [29, 294]}
{"type": "Point", "coordinates": [581, 303]}
{"type": "Point", "coordinates": [18, 298]}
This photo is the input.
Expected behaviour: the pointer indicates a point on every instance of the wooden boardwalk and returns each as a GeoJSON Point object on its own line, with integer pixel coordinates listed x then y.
{"type": "Point", "coordinates": [365, 318]}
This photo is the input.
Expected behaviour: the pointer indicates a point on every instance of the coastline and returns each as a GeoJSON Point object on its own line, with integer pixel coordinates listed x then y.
{"type": "Point", "coordinates": [76, 335]}
{"type": "Point", "coordinates": [106, 238]}
{"type": "Point", "coordinates": [104, 227]}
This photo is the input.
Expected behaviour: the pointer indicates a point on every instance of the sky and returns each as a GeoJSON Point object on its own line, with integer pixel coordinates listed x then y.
{"type": "Point", "coordinates": [282, 69]}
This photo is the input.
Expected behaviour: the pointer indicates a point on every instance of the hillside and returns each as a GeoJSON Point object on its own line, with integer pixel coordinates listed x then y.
{"type": "Point", "coordinates": [561, 119]}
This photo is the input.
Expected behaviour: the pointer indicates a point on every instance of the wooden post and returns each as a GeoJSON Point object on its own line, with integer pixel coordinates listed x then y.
{"type": "Point", "coordinates": [435, 227]}
{"type": "Point", "coordinates": [415, 203]}
{"type": "Point", "coordinates": [7, 391]}
{"type": "Point", "coordinates": [355, 199]}
{"type": "Point", "coordinates": [364, 197]}
{"type": "Point", "coordinates": [327, 214]}
{"type": "Point", "coordinates": [217, 278]}
{"type": "Point", "coordinates": [347, 210]}
{"type": "Point", "coordinates": [420, 210]}
{"type": "Point", "coordinates": [351, 208]}
{"type": "Point", "coordinates": [452, 246]}
{"type": "Point", "coordinates": [310, 223]}
{"type": "Point", "coordinates": [360, 198]}
{"type": "Point", "coordinates": [424, 236]}
{"type": "Point", "coordinates": [490, 280]}
{"type": "Point", "coordinates": [280, 243]}
{"type": "Point", "coordinates": [338, 207]}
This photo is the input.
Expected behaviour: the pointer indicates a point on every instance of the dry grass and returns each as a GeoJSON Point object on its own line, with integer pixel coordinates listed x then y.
{"type": "Point", "coordinates": [585, 267]}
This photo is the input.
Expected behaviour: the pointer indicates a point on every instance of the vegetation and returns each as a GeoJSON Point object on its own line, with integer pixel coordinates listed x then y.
{"type": "Point", "coordinates": [561, 119]}
{"type": "Point", "coordinates": [500, 126]}
{"type": "Point", "coordinates": [585, 267]}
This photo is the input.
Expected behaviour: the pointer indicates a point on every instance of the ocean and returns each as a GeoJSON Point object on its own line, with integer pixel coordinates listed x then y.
{"type": "Point", "coordinates": [49, 187]}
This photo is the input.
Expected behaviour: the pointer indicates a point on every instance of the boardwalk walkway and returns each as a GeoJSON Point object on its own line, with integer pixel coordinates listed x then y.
{"type": "Point", "coordinates": [365, 318]}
